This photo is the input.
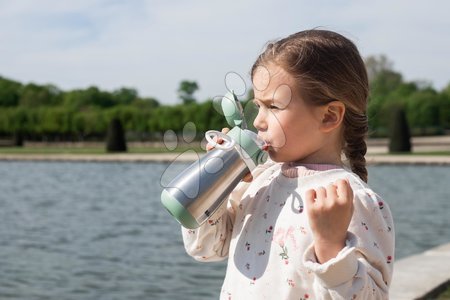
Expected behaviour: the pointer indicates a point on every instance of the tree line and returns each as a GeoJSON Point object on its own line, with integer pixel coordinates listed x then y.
{"type": "Point", "coordinates": [427, 110]}
{"type": "Point", "coordinates": [44, 112]}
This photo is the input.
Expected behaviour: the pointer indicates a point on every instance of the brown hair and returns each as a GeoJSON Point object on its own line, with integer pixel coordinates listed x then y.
{"type": "Point", "coordinates": [328, 67]}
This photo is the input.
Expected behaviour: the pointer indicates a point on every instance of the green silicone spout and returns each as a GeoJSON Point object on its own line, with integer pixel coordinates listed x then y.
{"type": "Point", "coordinates": [233, 111]}
{"type": "Point", "coordinates": [250, 143]}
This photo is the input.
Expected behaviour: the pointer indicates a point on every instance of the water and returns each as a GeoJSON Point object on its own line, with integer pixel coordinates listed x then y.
{"type": "Point", "coordinates": [420, 203]}
{"type": "Point", "coordinates": [97, 230]}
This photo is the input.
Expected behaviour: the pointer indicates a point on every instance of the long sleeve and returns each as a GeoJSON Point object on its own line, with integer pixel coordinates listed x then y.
{"type": "Point", "coordinates": [363, 269]}
{"type": "Point", "coordinates": [211, 241]}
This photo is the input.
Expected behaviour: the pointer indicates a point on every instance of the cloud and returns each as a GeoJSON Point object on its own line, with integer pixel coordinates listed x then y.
{"type": "Point", "coordinates": [153, 45]}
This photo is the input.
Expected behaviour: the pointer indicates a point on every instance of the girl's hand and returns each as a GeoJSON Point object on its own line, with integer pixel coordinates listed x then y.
{"type": "Point", "coordinates": [219, 140]}
{"type": "Point", "coordinates": [209, 147]}
{"type": "Point", "coordinates": [330, 211]}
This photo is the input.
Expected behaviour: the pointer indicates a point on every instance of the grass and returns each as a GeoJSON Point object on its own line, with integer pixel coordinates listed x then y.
{"type": "Point", "coordinates": [445, 295]}
{"type": "Point", "coordinates": [143, 150]}
{"type": "Point", "coordinates": [146, 150]}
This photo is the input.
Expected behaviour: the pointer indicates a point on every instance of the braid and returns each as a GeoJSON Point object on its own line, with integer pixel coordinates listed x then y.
{"type": "Point", "coordinates": [355, 132]}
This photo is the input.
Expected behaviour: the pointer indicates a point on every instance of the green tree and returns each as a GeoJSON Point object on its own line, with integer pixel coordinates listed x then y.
{"type": "Point", "coordinates": [89, 122]}
{"type": "Point", "coordinates": [186, 91]}
{"type": "Point", "coordinates": [386, 88]}
{"type": "Point", "coordinates": [33, 95]}
{"type": "Point", "coordinates": [92, 96]}
{"type": "Point", "coordinates": [385, 82]}
{"type": "Point", "coordinates": [55, 121]}
{"type": "Point", "coordinates": [9, 92]}
{"type": "Point", "coordinates": [15, 121]}
{"type": "Point", "coordinates": [169, 118]}
{"type": "Point", "coordinates": [445, 108]}
{"type": "Point", "coordinates": [446, 90]}
{"type": "Point", "coordinates": [422, 109]}
{"type": "Point", "coordinates": [376, 64]}
{"type": "Point", "coordinates": [125, 96]}
{"type": "Point", "coordinates": [145, 103]}
{"type": "Point", "coordinates": [126, 114]}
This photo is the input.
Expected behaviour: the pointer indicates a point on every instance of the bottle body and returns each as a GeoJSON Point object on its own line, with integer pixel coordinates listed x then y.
{"type": "Point", "coordinates": [197, 192]}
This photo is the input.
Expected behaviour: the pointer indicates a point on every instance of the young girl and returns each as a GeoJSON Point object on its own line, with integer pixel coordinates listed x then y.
{"type": "Point", "coordinates": [305, 227]}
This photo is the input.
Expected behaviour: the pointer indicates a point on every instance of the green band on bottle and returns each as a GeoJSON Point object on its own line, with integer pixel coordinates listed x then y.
{"type": "Point", "coordinates": [180, 213]}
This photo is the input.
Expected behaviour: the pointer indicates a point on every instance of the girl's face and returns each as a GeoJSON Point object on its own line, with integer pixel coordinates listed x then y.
{"type": "Point", "coordinates": [293, 129]}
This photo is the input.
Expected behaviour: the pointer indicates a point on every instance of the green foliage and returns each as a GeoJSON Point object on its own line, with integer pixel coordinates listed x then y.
{"type": "Point", "coordinates": [427, 110]}
{"type": "Point", "coordinates": [9, 92]}
{"type": "Point", "coordinates": [92, 96]}
{"type": "Point", "coordinates": [54, 120]}
{"type": "Point", "coordinates": [423, 109]}
{"type": "Point", "coordinates": [145, 103]}
{"type": "Point", "coordinates": [15, 119]}
{"type": "Point", "coordinates": [125, 96]}
{"type": "Point", "coordinates": [33, 95]}
{"type": "Point", "coordinates": [90, 122]}
{"type": "Point", "coordinates": [385, 82]}
{"type": "Point", "coordinates": [446, 90]}
{"type": "Point", "coordinates": [186, 91]}
{"type": "Point", "coordinates": [43, 112]}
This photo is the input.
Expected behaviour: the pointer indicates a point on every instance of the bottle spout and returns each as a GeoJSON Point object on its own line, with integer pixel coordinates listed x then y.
{"type": "Point", "coordinates": [240, 111]}
{"type": "Point", "coordinates": [262, 144]}
{"type": "Point", "coordinates": [233, 111]}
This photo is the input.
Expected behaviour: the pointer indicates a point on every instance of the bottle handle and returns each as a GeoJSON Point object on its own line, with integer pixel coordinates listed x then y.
{"type": "Point", "coordinates": [229, 142]}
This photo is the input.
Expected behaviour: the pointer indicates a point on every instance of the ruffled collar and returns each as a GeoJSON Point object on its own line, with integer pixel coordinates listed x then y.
{"type": "Point", "coordinates": [294, 170]}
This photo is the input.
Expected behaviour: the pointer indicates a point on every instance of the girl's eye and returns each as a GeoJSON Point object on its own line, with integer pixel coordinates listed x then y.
{"type": "Point", "coordinates": [269, 106]}
{"type": "Point", "coordinates": [255, 103]}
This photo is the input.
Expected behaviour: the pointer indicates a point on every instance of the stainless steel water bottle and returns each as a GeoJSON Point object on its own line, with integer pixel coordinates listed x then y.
{"type": "Point", "coordinates": [196, 193]}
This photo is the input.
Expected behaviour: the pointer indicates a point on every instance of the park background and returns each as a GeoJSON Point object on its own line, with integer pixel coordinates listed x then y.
{"type": "Point", "coordinates": [72, 73]}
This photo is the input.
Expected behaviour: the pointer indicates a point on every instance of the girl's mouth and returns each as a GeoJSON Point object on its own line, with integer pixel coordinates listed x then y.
{"type": "Point", "coordinates": [266, 146]}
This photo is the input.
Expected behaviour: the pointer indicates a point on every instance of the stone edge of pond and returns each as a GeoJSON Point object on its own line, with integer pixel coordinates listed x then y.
{"type": "Point", "coordinates": [190, 157]}
{"type": "Point", "coordinates": [421, 276]}
{"type": "Point", "coordinates": [408, 159]}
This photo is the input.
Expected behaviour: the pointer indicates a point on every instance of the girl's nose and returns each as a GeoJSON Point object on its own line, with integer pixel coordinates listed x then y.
{"type": "Point", "coordinates": [260, 122]}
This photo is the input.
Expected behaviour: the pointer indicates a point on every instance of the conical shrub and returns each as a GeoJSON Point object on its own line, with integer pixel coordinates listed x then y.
{"type": "Point", "coordinates": [115, 139]}
{"type": "Point", "coordinates": [18, 139]}
{"type": "Point", "coordinates": [399, 134]}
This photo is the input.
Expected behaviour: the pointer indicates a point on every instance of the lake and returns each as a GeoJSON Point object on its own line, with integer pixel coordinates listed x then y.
{"type": "Point", "coordinates": [98, 231]}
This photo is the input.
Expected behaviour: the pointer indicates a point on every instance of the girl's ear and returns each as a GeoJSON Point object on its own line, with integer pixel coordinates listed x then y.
{"type": "Point", "coordinates": [333, 115]}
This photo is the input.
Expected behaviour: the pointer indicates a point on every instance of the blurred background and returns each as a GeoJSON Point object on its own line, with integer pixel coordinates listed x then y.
{"type": "Point", "coordinates": [85, 80]}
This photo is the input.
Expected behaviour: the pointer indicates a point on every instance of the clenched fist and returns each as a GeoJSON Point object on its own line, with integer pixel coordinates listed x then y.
{"type": "Point", "coordinates": [329, 211]}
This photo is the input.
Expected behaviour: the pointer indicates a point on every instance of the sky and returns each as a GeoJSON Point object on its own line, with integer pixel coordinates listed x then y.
{"type": "Point", "coordinates": [152, 45]}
